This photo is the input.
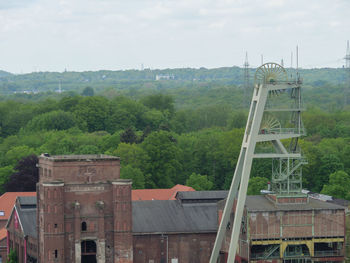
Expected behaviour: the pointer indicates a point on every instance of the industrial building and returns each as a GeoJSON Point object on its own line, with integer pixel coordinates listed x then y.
{"type": "Point", "coordinates": [84, 212]}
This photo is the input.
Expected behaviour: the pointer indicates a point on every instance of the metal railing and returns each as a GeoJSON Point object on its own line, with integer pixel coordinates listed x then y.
{"type": "Point", "coordinates": [328, 253]}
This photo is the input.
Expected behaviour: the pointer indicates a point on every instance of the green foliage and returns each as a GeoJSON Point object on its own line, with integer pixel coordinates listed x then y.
{"type": "Point", "coordinates": [129, 172]}
{"type": "Point", "coordinates": [5, 173]}
{"type": "Point", "coordinates": [17, 153]}
{"type": "Point", "coordinates": [12, 257]}
{"type": "Point", "coordinates": [92, 113]}
{"type": "Point", "coordinates": [164, 165]}
{"type": "Point", "coordinates": [256, 184]}
{"type": "Point", "coordinates": [164, 103]}
{"type": "Point", "coordinates": [338, 186]}
{"type": "Point", "coordinates": [193, 124]}
{"type": "Point", "coordinates": [54, 120]}
{"type": "Point", "coordinates": [88, 91]}
{"type": "Point", "coordinates": [199, 182]}
{"type": "Point", "coordinates": [132, 154]}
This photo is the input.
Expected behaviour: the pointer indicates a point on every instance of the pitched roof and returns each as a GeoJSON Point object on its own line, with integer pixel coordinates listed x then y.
{"type": "Point", "coordinates": [25, 207]}
{"type": "Point", "coordinates": [170, 216]}
{"type": "Point", "coordinates": [7, 201]}
{"type": "Point", "coordinates": [159, 194]}
{"type": "Point", "coordinates": [28, 221]}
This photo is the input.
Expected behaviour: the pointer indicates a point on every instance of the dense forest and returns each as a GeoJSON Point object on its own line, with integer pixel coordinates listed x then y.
{"type": "Point", "coordinates": [185, 130]}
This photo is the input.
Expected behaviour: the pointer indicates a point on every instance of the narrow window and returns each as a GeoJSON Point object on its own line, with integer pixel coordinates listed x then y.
{"type": "Point", "coordinates": [83, 226]}
{"type": "Point", "coordinates": [56, 253]}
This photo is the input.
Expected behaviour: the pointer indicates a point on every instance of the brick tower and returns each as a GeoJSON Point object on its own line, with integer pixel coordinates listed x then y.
{"type": "Point", "coordinates": [84, 210]}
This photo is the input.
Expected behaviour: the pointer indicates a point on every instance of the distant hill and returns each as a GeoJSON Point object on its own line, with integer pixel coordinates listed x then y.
{"type": "Point", "coordinates": [5, 74]}
{"type": "Point", "coordinates": [138, 82]}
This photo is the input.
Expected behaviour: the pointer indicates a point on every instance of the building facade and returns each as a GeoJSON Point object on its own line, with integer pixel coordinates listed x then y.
{"type": "Point", "coordinates": [288, 230]}
{"type": "Point", "coordinates": [83, 210]}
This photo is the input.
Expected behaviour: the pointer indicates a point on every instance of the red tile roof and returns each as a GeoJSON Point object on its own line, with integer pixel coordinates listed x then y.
{"type": "Point", "coordinates": [7, 201]}
{"type": "Point", "coordinates": [159, 194]}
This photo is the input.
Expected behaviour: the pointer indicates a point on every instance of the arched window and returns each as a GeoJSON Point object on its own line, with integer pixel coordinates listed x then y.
{"type": "Point", "coordinates": [83, 226]}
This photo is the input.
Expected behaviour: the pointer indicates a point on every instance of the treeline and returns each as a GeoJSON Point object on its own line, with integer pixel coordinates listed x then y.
{"type": "Point", "coordinates": [135, 79]}
{"type": "Point", "coordinates": [160, 146]}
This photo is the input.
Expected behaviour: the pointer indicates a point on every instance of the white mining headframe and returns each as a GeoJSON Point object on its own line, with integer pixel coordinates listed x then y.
{"type": "Point", "coordinates": [274, 121]}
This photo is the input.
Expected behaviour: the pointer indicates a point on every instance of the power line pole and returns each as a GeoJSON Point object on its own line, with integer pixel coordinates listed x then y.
{"type": "Point", "coordinates": [246, 81]}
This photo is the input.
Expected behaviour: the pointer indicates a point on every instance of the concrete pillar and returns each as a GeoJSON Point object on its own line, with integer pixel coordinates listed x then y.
{"type": "Point", "coordinates": [77, 229]}
{"type": "Point", "coordinates": [77, 251]}
{"type": "Point", "coordinates": [101, 251]}
{"type": "Point", "coordinates": [101, 241]}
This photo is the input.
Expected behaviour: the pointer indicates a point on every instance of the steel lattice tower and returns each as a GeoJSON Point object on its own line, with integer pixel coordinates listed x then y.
{"type": "Point", "coordinates": [266, 135]}
{"type": "Point", "coordinates": [246, 81]}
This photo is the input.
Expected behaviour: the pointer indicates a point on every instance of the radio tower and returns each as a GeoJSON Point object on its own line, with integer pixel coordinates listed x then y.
{"type": "Point", "coordinates": [347, 77]}
{"type": "Point", "coordinates": [246, 81]}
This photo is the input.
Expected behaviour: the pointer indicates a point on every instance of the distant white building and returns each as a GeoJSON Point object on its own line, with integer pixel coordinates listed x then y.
{"type": "Point", "coordinates": [165, 77]}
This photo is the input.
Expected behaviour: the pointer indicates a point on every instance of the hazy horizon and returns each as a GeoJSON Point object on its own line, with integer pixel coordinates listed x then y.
{"type": "Point", "coordinates": [91, 35]}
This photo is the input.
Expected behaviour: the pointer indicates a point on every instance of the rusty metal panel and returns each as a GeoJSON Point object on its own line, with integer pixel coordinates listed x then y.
{"type": "Point", "coordinates": [264, 225]}
{"type": "Point", "coordinates": [329, 223]}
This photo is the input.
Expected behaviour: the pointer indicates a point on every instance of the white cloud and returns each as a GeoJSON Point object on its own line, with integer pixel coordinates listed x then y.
{"type": "Point", "coordinates": [116, 34]}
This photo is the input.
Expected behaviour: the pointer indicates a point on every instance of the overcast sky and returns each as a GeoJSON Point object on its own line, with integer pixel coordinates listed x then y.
{"type": "Point", "coordinates": [79, 35]}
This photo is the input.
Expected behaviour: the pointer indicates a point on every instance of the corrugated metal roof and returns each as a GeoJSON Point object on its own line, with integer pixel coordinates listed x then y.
{"type": "Point", "coordinates": [26, 211]}
{"type": "Point", "coordinates": [261, 203]}
{"type": "Point", "coordinates": [202, 195]}
{"type": "Point", "coordinates": [166, 216]}
{"type": "Point", "coordinates": [28, 220]}
{"type": "Point", "coordinates": [27, 200]}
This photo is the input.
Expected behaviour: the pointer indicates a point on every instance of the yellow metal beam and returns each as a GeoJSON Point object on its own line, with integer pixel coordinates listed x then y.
{"type": "Point", "coordinates": [309, 243]}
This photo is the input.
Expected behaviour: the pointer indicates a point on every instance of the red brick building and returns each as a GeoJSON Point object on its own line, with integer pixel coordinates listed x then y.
{"type": "Point", "coordinates": [83, 211]}
{"type": "Point", "coordinates": [7, 201]}
{"type": "Point", "coordinates": [22, 230]}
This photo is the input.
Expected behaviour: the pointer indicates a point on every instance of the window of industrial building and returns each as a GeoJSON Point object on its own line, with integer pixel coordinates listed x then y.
{"type": "Point", "coordinates": [83, 226]}
{"type": "Point", "coordinates": [2, 213]}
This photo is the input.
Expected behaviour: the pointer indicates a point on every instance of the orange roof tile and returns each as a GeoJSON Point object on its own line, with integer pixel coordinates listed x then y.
{"type": "Point", "coordinates": [159, 194]}
{"type": "Point", "coordinates": [7, 201]}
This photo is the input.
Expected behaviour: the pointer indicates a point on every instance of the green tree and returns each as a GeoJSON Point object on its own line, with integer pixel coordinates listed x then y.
{"type": "Point", "coordinates": [160, 102]}
{"type": "Point", "coordinates": [128, 136]}
{"type": "Point", "coordinates": [256, 184]}
{"type": "Point", "coordinates": [92, 113]}
{"type": "Point", "coordinates": [5, 173]}
{"type": "Point", "coordinates": [17, 153]}
{"type": "Point", "coordinates": [329, 164]}
{"type": "Point", "coordinates": [54, 120]}
{"type": "Point", "coordinates": [12, 257]}
{"type": "Point", "coordinates": [163, 166]}
{"type": "Point", "coordinates": [88, 91]}
{"type": "Point", "coordinates": [129, 172]}
{"type": "Point", "coordinates": [338, 186]}
{"type": "Point", "coordinates": [132, 154]}
{"type": "Point", "coordinates": [199, 182]}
